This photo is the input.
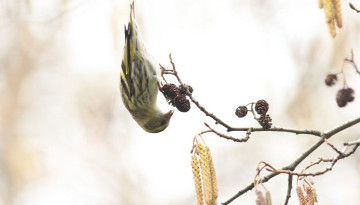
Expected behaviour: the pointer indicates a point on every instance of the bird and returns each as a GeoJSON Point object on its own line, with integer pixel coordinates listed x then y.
{"type": "Point", "coordinates": [139, 81]}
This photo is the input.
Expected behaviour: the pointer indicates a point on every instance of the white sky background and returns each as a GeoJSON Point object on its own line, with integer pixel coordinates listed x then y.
{"type": "Point", "coordinates": [230, 52]}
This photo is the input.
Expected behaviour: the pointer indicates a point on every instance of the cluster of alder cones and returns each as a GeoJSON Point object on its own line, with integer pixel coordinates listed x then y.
{"type": "Point", "coordinates": [176, 95]}
{"type": "Point", "coordinates": [344, 95]}
{"type": "Point", "coordinates": [261, 108]}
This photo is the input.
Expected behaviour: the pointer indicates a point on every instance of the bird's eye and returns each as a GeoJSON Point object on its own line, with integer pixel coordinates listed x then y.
{"type": "Point", "coordinates": [163, 122]}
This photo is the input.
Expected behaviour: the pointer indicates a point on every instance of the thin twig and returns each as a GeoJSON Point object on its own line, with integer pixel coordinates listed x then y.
{"type": "Point", "coordinates": [207, 113]}
{"type": "Point", "coordinates": [229, 137]}
{"type": "Point", "coordinates": [334, 161]}
{"type": "Point", "coordinates": [352, 61]}
{"type": "Point", "coordinates": [333, 147]}
{"type": "Point", "coordinates": [175, 72]}
{"type": "Point", "coordinates": [288, 194]}
{"type": "Point", "coordinates": [352, 143]}
{"type": "Point", "coordinates": [201, 108]}
{"type": "Point", "coordinates": [353, 8]}
{"type": "Point", "coordinates": [195, 139]}
{"type": "Point", "coordinates": [342, 127]}
{"type": "Point", "coordinates": [278, 129]}
{"type": "Point", "coordinates": [315, 163]}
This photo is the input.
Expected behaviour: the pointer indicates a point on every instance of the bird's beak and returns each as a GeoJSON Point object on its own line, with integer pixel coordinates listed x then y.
{"type": "Point", "coordinates": [169, 114]}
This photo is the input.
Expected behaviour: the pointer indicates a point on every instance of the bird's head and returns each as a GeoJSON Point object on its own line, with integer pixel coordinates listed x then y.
{"type": "Point", "coordinates": [157, 122]}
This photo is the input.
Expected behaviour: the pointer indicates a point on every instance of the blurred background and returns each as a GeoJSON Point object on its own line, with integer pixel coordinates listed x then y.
{"type": "Point", "coordinates": [66, 138]}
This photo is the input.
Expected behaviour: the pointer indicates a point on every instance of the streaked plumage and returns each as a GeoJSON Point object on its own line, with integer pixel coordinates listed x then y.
{"type": "Point", "coordinates": [139, 81]}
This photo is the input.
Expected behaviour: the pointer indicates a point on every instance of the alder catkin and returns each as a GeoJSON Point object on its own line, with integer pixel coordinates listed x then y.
{"type": "Point", "coordinates": [214, 187]}
{"type": "Point", "coordinates": [329, 16]}
{"type": "Point", "coordinates": [208, 175]}
{"type": "Point", "coordinates": [197, 180]}
{"type": "Point", "coordinates": [300, 194]}
{"type": "Point", "coordinates": [310, 197]}
{"type": "Point", "coordinates": [337, 12]}
{"type": "Point", "coordinates": [268, 198]}
{"type": "Point", "coordinates": [260, 200]}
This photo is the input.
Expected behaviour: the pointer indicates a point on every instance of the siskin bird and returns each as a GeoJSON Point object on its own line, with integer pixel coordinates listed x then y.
{"type": "Point", "coordinates": [139, 82]}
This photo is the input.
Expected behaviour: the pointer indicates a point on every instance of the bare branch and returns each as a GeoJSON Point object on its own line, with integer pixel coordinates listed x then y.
{"type": "Point", "coordinates": [288, 194]}
{"type": "Point", "coordinates": [334, 161]}
{"type": "Point", "coordinates": [279, 129]}
{"type": "Point", "coordinates": [230, 137]}
{"type": "Point", "coordinates": [207, 113]}
{"type": "Point", "coordinates": [352, 143]}
{"type": "Point", "coordinates": [352, 61]}
{"type": "Point", "coordinates": [342, 127]}
{"type": "Point", "coordinates": [289, 169]}
{"type": "Point", "coordinates": [353, 8]}
{"type": "Point", "coordinates": [333, 147]}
